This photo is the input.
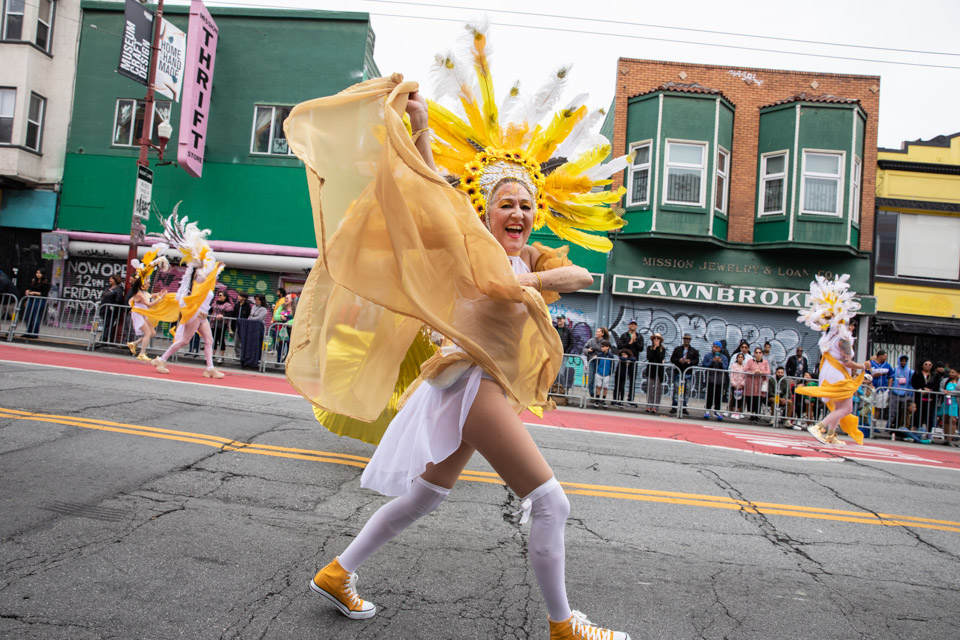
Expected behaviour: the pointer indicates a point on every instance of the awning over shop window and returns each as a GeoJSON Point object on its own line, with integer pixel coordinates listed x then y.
{"type": "Point", "coordinates": [949, 328]}
{"type": "Point", "coordinates": [28, 209]}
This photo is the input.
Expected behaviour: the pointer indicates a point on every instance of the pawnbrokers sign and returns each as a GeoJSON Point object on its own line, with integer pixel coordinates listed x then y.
{"type": "Point", "coordinates": [740, 295]}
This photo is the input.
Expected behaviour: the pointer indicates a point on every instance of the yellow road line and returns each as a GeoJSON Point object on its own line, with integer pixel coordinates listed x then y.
{"type": "Point", "coordinates": [573, 488]}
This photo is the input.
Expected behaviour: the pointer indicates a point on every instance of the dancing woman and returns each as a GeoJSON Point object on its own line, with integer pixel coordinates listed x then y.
{"type": "Point", "coordinates": [409, 251]}
{"type": "Point", "coordinates": [142, 301]}
{"type": "Point", "coordinates": [830, 310]}
{"type": "Point", "coordinates": [195, 293]}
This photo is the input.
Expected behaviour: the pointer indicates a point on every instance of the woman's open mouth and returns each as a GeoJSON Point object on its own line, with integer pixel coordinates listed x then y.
{"type": "Point", "coordinates": [514, 230]}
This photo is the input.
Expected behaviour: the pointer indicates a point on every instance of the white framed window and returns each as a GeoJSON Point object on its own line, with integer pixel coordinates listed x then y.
{"type": "Point", "coordinates": [35, 115]}
{"type": "Point", "coordinates": [686, 166]}
{"type": "Point", "coordinates": [128, 120]}
{"type": "Point", "coordinates": [928, 247]}
{"type": "Point", "coordinates": [268, 137]}
{"type": "Point", "coordinates": [773, 183]}
{"type": "Point", "coordinates": [855, 199]}
{"type": "Point", "coordinates": [723, 180]}
{"type": "Point", "coordinates": [13, 19]}
{"type": "Point", "coordinates": [8, 104]}
{"type": "Point", "coordinates": [638, 191]}
{"type": "Point", "coordinates": [44, 23]}
{"type": "Point", "coordinates": [822, 190]}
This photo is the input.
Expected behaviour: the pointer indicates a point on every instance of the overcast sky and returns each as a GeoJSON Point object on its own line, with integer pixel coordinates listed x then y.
{"type": "Point", "coordinates": [530, 39]}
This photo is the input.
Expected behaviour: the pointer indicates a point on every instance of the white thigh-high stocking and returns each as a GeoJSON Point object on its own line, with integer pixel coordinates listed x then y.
{"type": "Point", "coordinates": [390, 519]}
{"type": "Point", "coordinates": [549, 509]}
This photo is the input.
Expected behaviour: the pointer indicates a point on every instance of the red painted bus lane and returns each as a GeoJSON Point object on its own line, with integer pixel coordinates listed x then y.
{"type": "Point", "coordinates": [728, 436]}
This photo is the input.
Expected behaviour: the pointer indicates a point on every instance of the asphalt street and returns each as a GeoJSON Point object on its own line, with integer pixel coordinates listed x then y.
{"type": "Point", "coordinates": [141, 508]}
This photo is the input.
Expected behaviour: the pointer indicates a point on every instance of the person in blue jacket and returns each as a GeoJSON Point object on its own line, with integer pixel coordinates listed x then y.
{"type": "Point", "coordinates": [900, 393]}
{"type": "Point", "coordinates": [715, 379]}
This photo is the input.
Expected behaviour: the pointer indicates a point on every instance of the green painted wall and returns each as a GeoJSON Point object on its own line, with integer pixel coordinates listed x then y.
{"type": "Point", "coordinates": [725, 140]}
{"type": "Point", "coordinates": [264, 56]}
{"type": "Point", "coordinates": [592, 261]}
{"type": "Point", "coordinates": [686, 118]}
{"type": "Point", "coordinates": [824, 128]}
{"type": "Point", "coordinates": [776, 134]}
{"type": "Point", "coordinates": [641, 125]}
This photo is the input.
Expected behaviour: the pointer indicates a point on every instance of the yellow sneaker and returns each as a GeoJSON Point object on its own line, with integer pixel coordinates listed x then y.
{"type": "Point", "coordinates": [577, 627]}
{"type": "Point", "coordinates": [144, 357]}
{"type": "Point", "coordinates": [334, 583]}
{"type": "Point", "coordinates": [160, 365]}
{"type": "Point", "coordinates": [818, 431]}
{"type": "Point", "coordinates": [832, 438]}
{"type": "Point", "coordinates": [133, 347]}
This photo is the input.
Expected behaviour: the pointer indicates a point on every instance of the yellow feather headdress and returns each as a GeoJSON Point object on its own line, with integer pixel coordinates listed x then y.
{"type": "Point", "coordinates": [189, 239]}
{"type": "Point", "coordinates": [558, 162]}
{"type": "Point", "coordinates": [151, 260]}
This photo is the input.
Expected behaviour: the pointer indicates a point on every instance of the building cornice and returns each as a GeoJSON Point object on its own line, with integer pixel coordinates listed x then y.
{"type": "Point", "coordinates": [922, 205]}
{"type": "Point", "coordinates": [919, 167]}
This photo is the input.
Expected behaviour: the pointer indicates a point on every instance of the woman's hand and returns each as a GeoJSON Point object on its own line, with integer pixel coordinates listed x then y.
{"type": "Point", "coordinates": [417, 110]}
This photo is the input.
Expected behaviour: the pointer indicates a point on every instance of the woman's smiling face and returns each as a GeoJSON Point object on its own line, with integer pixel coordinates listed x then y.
{"type": "Point", "coordinates": [510, 216]}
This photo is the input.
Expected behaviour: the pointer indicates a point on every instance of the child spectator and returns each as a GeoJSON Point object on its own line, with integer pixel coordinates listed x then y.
{"type": "Point", "coordinates": [604, 362]}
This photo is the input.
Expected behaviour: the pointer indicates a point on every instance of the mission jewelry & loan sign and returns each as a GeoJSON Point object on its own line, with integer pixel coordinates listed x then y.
{"type": "Point", "coordinates": [725, 294]}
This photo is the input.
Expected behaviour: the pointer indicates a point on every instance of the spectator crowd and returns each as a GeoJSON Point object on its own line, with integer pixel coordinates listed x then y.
{"type": "Point", "coordinates": [752, 384]}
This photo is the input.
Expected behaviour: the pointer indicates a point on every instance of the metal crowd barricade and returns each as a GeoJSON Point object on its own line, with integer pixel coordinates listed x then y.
{"type": "Point", "coordinates": [570, 381]}
{"type": "Point", "coordinates": [917, 414]}
{"type": "Point", "coordinates": [629, 384]}
{"type": "Point", "coordinates": [276, 346]}
{"type": "Point", "coordinates": [720, 394]}
{"type": "Point", "coordinates": [113, 326]}
{"type": "Point", "coordinates": [54, 319]}
{"type": "Point", "coordinates": [8, 308]}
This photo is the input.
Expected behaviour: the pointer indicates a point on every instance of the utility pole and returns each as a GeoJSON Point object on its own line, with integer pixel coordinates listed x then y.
{"type": "Point", "coordinates": [136, 227]}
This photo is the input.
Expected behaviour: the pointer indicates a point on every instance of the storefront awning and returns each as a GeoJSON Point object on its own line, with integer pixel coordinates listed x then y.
{"type": "Point", "coordinates": [946, 327]}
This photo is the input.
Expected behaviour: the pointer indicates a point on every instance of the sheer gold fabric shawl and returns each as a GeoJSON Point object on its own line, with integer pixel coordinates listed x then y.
{"type": "Point", "coordinates": [399, 249]}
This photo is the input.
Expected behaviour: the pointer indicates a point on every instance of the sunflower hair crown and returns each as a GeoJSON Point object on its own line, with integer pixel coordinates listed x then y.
{"type": "Point", "coordinates": [152, 260]}
{"type": "Point", "coordinates": [481, 143]}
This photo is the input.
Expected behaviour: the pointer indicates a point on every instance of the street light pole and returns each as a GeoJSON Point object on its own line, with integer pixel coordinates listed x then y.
{"type": "Point", "coordinates": [146, 134]}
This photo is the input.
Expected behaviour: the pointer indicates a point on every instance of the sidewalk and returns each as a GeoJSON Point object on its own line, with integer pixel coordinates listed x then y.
{"type": "Point", "coordinates": [747, 438]}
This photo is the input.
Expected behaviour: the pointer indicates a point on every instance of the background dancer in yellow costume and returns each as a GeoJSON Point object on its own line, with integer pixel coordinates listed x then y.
{"type": "Point", "coordinates": [830, 310]}
{"type": "Point", "coordinates": [196, 289]}
{"type": "Point", "coordinates": [143, 317]}
{"type": "Point", "coordinates": [409, 251]}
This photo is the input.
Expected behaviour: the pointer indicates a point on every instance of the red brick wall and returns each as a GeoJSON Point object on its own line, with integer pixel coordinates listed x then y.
{"type": "Point", "coordinates": [639, 76]}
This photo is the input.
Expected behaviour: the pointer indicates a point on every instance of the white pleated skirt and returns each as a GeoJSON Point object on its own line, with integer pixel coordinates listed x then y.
{"type": "Point", "coordinates": [428, 429]}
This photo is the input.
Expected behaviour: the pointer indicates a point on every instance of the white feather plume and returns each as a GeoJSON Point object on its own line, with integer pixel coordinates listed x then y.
{"type": "Point", "coordinates": [547, 96]}
{"type": "Point", "coordinates": [509, 103]}
{"type": "Point", "coordinates": [570, 146]}
{"type": "Point", "coordinates": [452, 77]}
{"type": "Point", "coordinates": [604, 171]}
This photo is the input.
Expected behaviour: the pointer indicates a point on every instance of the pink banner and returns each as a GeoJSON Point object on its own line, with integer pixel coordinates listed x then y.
{"type": "Point", "coordinates": [202, 34]}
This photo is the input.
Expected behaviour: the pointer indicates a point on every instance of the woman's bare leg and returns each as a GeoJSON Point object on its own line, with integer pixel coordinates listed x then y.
{"type": "Point", "coordinates": [204, 330]}
{"type": "Point", "coordinates": [842, 409]}
{"type": "Point", "coordinates": [495, 430]}
{"type": "Point", "coordinates": [144, 340]}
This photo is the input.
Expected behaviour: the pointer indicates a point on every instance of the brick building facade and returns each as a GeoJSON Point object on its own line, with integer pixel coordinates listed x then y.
{"type": "Point", "coordinates": [745, 184]}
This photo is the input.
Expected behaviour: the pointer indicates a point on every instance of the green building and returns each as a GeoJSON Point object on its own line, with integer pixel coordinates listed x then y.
{"type": "Point", "coordinates": [252, 194]}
